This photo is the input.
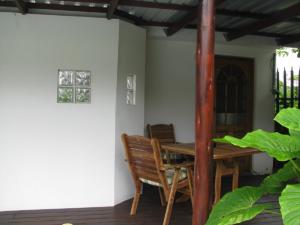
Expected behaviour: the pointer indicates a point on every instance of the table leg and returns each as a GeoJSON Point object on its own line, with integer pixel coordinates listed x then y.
{"type": "Point", "coordinates": [222, 170]}
{"type": "Point", "coordinates": [218, 180]}
{"type": "Point", "coordinates": [235, 176]}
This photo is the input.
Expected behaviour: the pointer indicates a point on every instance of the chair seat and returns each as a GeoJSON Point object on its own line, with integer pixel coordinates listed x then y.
{"type": "Point", "coordinates": [169, 175]}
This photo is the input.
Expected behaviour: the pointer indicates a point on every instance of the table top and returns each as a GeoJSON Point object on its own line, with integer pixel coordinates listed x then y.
{"type": "Point", "coordinates": [221, 151]}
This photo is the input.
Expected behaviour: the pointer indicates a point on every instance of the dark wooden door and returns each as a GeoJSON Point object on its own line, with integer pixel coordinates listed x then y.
{"type": "Point", "coordinates": [234, 98]}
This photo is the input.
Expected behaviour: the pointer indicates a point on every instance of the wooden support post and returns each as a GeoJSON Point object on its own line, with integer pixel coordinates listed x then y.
{"type": "Point", "coordinates": [204, 111]}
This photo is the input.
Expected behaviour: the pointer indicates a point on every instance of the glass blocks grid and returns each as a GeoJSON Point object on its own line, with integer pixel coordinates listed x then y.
{"type": "Point", "coordinates": [74, 86]}
{"type": "Point", "coordinates": [83, 78]}
{"type": "Point", "coordinates": [66, 77]}
{"type": "Point", "coordinates": [83, 95]}
{"type": "Point", "coordinates": [131, 90]}
{"type": "Point", "coordinates": [64, 95]}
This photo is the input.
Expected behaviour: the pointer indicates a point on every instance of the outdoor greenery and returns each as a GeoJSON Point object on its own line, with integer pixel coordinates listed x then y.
{"type": "Point", "coordinates": [243, 203]}
{"type": "Point", "coordinates": [283, 51]}
{"type": "Point", "coordinates": [288, 93]}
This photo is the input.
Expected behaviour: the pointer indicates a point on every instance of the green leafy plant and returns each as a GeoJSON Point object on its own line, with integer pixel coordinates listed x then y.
{"type": "Point", "coordinates": [242, 204]}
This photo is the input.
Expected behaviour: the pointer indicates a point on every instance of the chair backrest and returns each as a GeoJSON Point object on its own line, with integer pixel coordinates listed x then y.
{"type": "Point", "coordinates": [144, 159]}
{"type": "Point", "coordinates": [163, 132]}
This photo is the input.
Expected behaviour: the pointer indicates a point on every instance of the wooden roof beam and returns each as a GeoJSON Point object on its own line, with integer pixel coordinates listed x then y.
{"type": "Point", "coordinates": [118, 13]}
{"type": "Point", "coordinates": [274, 18]}
{"type": "Point", "coordinates": [218, 29]}
{"type": "Point", "coordinates": [156, 5]}
{"type": "Point", "coordinates": [285, 41]}
{"type": "Point", "coordinates": [247, 14]}
{"type": "Point", "coordinates": [21, 5]}
{"type": "Point", "coordinates": [112, 8]}
{"type": "Point", "coordinates": [143, 4]}
{"type": "Point", "coordinates": [66, 7]}
{"type": "Point", "coordinates": [187, 19]}
{"type": "Point", "coordinates": [135, 19]}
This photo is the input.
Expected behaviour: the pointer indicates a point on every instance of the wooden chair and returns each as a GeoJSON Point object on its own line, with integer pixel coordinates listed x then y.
{"type": "Point", "coordinates": [146, 166]}
{"type": "Point", "coordinates": [163, 132]}
{"type": "Point", "coordinates": [166, 135]}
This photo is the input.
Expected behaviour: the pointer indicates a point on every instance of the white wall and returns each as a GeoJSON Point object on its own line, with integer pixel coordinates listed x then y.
{"type": "Point", "coordinates": [129, 118]}
{"type": "Point", "coordinates": [56, 155]}
{"type": "Point", "coordinates": [170, 86]}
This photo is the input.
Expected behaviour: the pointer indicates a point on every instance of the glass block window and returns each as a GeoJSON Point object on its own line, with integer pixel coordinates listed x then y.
{"type": "Point", "coordinates": [131, 90]}
{"type": "Point", "coordinates": [74, 86]}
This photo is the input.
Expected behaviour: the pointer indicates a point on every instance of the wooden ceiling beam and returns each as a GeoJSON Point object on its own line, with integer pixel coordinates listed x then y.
{"type": "Point", "coordinates": [281, 38]}
{"type": "Point", "coordinates": [21, 5]}
{"type": "Point", "coordinates": [179, 7]}
{"type": "Point", "coordinates": [258, 33]}
{"type": "Point", "coordinates": [218, 29]}
{"type": "Point", "coordinates": [248, 15]}
{"type": "Point", "coordinates": [118, 13]}
{"type": "Point", "coordinates": [66, 7]}
{"type": "Point", "coordinates": [7, 4]}
{"type": "Point", "coordinates": [187, 19]}
{"type": "Point", "coordinates": [135, 19]}
{"type": "Point", "coordinates": [143, 4]}
{"type": "Point", "coordinates": [112, 8]}
{"type": "Point", "coordinates": [183, 22]}
{"type": "Point", "coordinates": [156, 5]}
{"type": "Point", "coordinates": [274, 18]}
{"type": "Point", "coordinates": [285, 41]}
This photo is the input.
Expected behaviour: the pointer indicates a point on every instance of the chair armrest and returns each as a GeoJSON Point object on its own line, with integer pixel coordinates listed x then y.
{"type": "Point", "coordinates": [177, 166]}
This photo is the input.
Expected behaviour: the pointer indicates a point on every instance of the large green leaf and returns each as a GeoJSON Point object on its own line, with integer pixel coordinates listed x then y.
{"type": "Point", "coordinates": [237, 206]}
{"type": "Point", "coordinates": [244, 214]}
{"type": "Point", "coordinates": [290, 204]}
{"type": "Point", "coordinates": [290, 118]}
{"type": "Point", "coordinates": [280, 146]}
{"type": "Point", "coordinates": [276, 182]}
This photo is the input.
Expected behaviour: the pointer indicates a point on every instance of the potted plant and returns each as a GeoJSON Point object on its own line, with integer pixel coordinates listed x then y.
{"type": "Point", "coordinates": [242, 204]}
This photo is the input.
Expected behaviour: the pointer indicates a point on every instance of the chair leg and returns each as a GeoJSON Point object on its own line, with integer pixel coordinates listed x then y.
{"type": "Point", "coordinates": [135, 200]}
{"type": "Point", "coordinates": [168, 157]}
{"type": "Point", "coordinates": [171, 198]}
{"type": "Point", "coordinates": [218, 181]}
{"type": "Point", "coordinates": [162, 197]}
{"type": "Point", "coordinates": [183, 198]}
{"type": "Point", "coordinates": [190, 180]}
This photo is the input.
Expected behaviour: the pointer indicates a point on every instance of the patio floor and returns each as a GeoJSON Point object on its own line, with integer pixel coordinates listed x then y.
{"type": "Point", "coordinates": [150, 212]}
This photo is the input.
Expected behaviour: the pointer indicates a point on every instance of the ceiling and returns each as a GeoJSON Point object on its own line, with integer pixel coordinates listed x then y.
{"type": "Point", "coordinates": [236, 18]}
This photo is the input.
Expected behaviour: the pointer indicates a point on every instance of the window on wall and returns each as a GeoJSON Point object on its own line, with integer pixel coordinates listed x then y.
{"type": "Point", "coordinates": [131, 90]}
{"type": "Point", "coordinates": [74, 86]}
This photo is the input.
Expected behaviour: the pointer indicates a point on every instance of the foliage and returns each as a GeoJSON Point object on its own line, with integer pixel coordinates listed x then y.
{"type": "Point", "coordinates": [243, 203]}
{"type": "Point", "coordinates": [238, 205]}
{"type": "Point", "coordinates": [283, 51]}
{"type": "Point", "coordinates": [288, 92]}
{"type": "Point", "coordinates": [290, 204]}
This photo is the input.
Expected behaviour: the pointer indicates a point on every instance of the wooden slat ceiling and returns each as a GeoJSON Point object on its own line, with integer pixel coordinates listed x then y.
{"type": "Point", "coordinates": [235, 18]}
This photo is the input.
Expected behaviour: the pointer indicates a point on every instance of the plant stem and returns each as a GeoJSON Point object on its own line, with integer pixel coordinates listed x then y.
{"type": "Point", "coordinates": [272, 212]}
{"type": "Point", "coordinates": [295, 165]}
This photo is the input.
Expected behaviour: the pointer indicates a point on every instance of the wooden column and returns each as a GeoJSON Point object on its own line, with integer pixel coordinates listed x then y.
{"type": "Point", "coordinates": [204, 111]}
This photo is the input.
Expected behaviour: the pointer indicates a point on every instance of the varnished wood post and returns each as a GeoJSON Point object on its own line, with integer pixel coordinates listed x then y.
{"type": "Point", "coordinates": [204, 111]}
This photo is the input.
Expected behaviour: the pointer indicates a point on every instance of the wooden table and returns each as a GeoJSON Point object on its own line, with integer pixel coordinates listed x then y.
{"type": "Point", "coordinates": [223, 153]}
